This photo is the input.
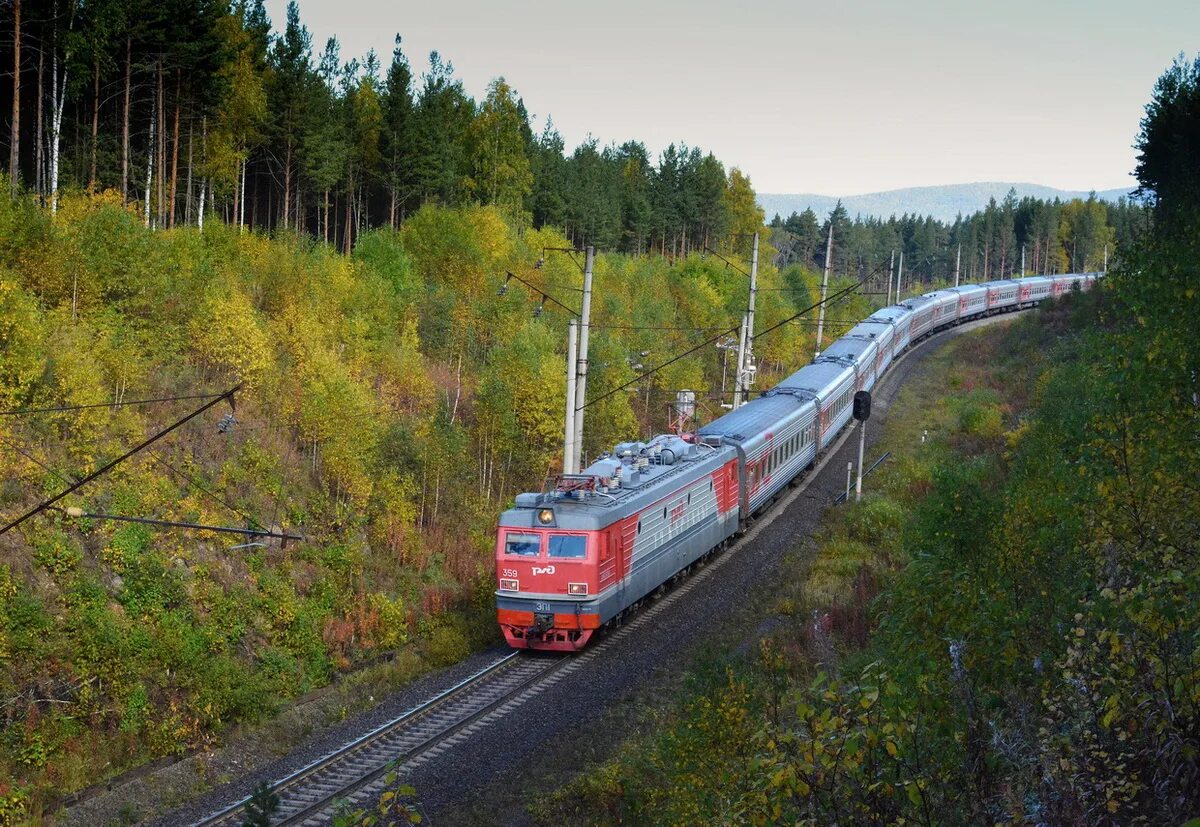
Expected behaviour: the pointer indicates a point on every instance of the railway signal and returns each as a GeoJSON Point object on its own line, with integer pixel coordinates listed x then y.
{"type": "Point", "coordinates": [862, 412]}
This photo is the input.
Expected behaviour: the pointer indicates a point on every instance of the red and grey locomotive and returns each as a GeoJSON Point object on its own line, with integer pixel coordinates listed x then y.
{"type": "Point", "coordinates": [575, 558]}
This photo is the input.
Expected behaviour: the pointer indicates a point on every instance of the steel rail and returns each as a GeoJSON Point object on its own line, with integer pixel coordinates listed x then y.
{"type": "Point", "coordinates": [363, 782]}
{"type": "Point", "coordinates": [310, 789]}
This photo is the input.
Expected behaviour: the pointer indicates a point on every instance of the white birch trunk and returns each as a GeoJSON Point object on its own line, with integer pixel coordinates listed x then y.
{"type": "Point", "coordinates": [149, 168]}
{"type": "Point", "coordinates": [200, 215]}
{"type": "Point", "coordinates": [60, 95]}
{"type": "Point", "coordinates": [58, 98]}
{"type": "Point", "coordinates": [203, 179]}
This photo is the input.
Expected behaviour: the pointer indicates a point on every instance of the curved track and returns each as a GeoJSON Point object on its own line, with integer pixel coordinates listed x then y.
{"type": "Point", "coordinates": [357, 769]}
{"type": "Point", "coordinates": [355, 772]}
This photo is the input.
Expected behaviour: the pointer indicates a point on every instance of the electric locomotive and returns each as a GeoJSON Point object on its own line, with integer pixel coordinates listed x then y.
{"type": "Point", "coordinates": [578, 556]}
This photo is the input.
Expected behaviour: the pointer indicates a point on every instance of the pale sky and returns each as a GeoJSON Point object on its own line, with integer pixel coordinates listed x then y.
{"type": "Point", "coordinates": [833, 98]}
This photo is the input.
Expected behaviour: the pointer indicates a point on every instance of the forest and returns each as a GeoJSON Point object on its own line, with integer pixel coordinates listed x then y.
{"type": "Point", "coordinates": [1003, 630]}
{"type": "Point", "coordinates": [201, 107]}
{"type": "Point", "coordinates": [200, 202]}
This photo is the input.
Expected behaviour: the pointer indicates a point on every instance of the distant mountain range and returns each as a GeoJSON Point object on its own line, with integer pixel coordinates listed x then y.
{"type": "Point", "coordinates": [942, 202]}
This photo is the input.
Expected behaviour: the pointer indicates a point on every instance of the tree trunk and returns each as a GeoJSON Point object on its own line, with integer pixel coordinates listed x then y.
{"type": "Point", "coordinates": [241, 216]}
{"type": "Point", "coordinates": [236, 192]}
{"type": "Point", "coordinates": [174, 156]}
{"type": "Point", "coordinates": [39, 159]}
{"type": "Point", "coordinates": [14, 150]}
{"type": "Point", "coordinates": [187, 198]}
{"type": "Point", "coordinates": [395, 188]}
{"type": "Point", "coordinates": [161, 149]}
{"type": "Point", "coordinates": [204, 180]}
{"type": "Point", "coordinates": [57, 101]}
{"type": "Point", "coordinates": [125, 122]}
{"type": "Point", "coordinates": [326, 223]}
{"type": "Point", "coordinates": [287, 183]}
{"type": "Point", "coordinates": [149, 166]}
{"type": "Point", "coordinates": [346, 242]}
{"type": "Point", "coordinates": [95, 122]}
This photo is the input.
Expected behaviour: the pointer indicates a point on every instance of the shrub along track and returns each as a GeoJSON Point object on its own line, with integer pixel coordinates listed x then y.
{"type": "Point", "coordinates": [465, 749]}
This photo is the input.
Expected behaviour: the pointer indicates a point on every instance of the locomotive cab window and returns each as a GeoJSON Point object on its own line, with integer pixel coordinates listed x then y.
{"type": "Point", "coordinates": [568, 545]}
{"type": "Point", "coordinates": [524, 545]}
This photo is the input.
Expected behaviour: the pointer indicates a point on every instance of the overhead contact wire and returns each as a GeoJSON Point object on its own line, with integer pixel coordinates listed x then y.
{"type": "Point", "coordinates": [714, 339]}
{"type": "Point", "coordinates": [63, 408]}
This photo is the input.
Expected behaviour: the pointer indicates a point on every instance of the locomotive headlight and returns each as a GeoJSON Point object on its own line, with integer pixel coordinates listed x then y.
{"type": "Point", "coordinates": [508, 585]}
{"type": "Point", "coordinates": [546, 516]}
{"type": "Point", "coordinates": [577, 588]}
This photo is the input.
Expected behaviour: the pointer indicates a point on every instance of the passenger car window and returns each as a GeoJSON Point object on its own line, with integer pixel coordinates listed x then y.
{"type": "Point", "coordinates": [526, 545]}
{"type": "Point", "coordinates": [568, 545]}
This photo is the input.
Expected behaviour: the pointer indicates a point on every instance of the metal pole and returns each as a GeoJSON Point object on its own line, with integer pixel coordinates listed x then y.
{"type": "Point", "coordinates": [957, 265]}
{"type": "Point", "coordinates": [746, 334]}
{"type": "Point", "coordinates": [1022, 261]}
{"type": "Point", "coordinates": [741, 360]}
{"type": "Point", "coordinates": [849, 476]}
{"type": "Point", "coordinates": [825, 288]}
{"type": "Point", "coordinates": [747, 377]}
{"type": "Point", "coordinates": [862, 444]}
{"type": "Point", "coordinates": [569, 466]}
{"type": "Point", "coordinates": [899, 276]}
{"type": "Point", "coordinates": [1105, 257]}
{"type": "Point", "coordinates": [581, 382]}
{"type": "Point", "coordinates": [891, 269]}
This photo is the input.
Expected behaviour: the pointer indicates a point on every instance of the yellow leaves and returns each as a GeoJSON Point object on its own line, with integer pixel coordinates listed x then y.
{"type": "Point", "coordinates": [227, 334]}
{"type": "Point", "coordinates": [890, 746]}
{"type": "Point", "coordinates": [20, 342]}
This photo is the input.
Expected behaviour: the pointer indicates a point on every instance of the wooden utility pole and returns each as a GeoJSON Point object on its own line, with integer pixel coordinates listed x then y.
{"type": "Point", "coordinates": [825, 288]}
{"type": "Point", "coordinates": [14, 150]}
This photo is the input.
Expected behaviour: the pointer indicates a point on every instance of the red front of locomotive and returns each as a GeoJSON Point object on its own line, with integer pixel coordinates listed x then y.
{"type": "Point", "coordinates": [547, 581]}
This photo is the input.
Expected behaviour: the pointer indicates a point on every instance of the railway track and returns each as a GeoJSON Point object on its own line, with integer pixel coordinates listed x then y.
{"type": "Point", "coordinates": [355, 772]}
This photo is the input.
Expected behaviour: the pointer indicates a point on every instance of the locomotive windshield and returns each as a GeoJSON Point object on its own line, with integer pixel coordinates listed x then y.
{"type": "Point", "coordinates": [526, 545]}
{"type": "Point", "coordinates": [568, 545]}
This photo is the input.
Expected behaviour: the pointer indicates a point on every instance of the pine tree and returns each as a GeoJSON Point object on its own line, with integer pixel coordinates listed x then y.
{"type": "Point", "coordinates": [291, 78]}
{"type": "Point", "coordinates": [496, 151]}
{"type": "Point", "coordinates": [399, 150]}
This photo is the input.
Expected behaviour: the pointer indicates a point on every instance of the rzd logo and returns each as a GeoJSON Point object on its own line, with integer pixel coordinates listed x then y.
{"type": "Point", "coordinates": [547, 570]}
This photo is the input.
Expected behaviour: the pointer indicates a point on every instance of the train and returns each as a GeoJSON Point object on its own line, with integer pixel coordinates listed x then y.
{"type": "Point", "coordinates": [578, 557]}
